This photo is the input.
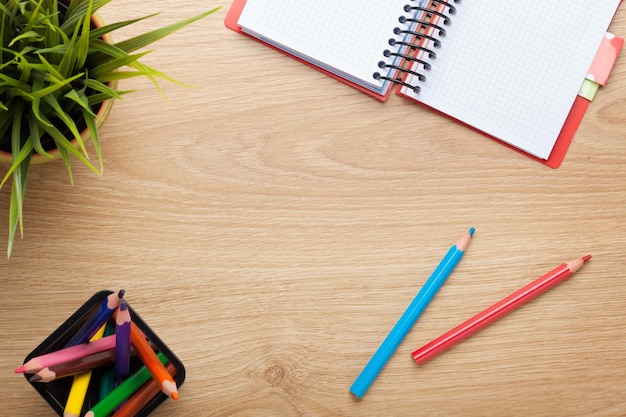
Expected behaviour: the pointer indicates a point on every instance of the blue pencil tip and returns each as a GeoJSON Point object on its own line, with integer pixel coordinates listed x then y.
{"type": "Point", "coordinates": [471, 231]}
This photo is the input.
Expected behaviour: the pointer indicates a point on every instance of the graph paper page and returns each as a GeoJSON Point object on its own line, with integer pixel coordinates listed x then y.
{"type": "Point", "coordinates": [513, 68]}
{"type": "Point", "coordinates": [346, 37]}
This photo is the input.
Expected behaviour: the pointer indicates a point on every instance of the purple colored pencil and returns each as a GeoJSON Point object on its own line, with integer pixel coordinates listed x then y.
{"type": "Point", "coordinates": [122, 343]}
{"type": "Point", "coordinates": [100, 317]}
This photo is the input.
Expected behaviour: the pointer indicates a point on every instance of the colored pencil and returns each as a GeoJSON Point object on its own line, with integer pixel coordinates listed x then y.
{"type": "Point", "coordinates": [122, 343]}
{"type": "Point", "coordinates": [76, 397]}
{"type": "Point", "coordinates": [107, 382]}
{"type": "Point", "coordinates": [100, 317]}
{"type": "Point", "coordinates": [123, 391]}
{"type": "Point", "coordinates": [67, 355]}
{"type": "Point", "coordinates": [410, 316]}
{"type": "Point", "coordinates": [80, 385]}
{"type": "Point", "coordinates": [150, 360]}
{"type": "Point", "coordinates": [498, 310]}
{"type": "Point", "coordinates": [51, 373]}
{"type": "Point", "coordinates": [143, 396]}
{"type": "Point", "coordinates": [97, 360]}
{"type": "Point", "coordinates": [107, 376]}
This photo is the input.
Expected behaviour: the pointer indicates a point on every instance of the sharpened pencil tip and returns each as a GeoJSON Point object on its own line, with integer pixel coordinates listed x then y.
{"type": "Point", "coordinates": [464, 241]}
{"type": "Point", "coordinates": [169, 388]}
{"type": "Point", "coordinates": [121, 293]}
{"type": "Point", "coordinates": [471, 231]}
{"type": "Point", "coordinates": [35, 378]}
{"type": "Point", "coordinates": [586, 258]}
{"type": "Point", "coordinates": [20, 370]}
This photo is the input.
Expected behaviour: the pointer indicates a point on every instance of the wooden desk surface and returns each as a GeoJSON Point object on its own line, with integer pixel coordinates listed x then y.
{"type": "Point", "coordinates": [272, 224]}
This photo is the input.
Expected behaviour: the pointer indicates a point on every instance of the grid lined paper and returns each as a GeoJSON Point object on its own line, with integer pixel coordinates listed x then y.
{"type": "Point", "coordinates": [510, 69]}
{"type": "Point", "coordinates": [347, 37]}
{"type": "Point", "coordinates": [513, 69]}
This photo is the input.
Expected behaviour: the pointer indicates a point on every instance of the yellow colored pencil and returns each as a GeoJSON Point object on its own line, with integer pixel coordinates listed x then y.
{"type": "Point", "coordinates": [80, 385]}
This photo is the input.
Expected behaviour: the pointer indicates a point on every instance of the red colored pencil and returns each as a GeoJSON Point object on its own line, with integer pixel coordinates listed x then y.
{"type": "Point", "coordinates": [496, 311]}
{"type": "Point", "coordinates": [66, 355]}
{"type": "Point", "coordinates": [143, 396]}
{"type": "Point", "coordinates": [152, 362]}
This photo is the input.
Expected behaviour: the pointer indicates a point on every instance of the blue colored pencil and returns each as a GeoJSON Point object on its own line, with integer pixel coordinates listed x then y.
{"type": "Point", "coordinates": [99, 318]}
{"type": "Point", "coordinates": [122, 343]}
{"type": "Point", "coordinates": [410, 316]}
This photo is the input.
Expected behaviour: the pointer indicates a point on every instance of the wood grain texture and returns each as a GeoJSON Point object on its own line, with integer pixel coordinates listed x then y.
{"type": "Point", "coordinates": [272, 224]}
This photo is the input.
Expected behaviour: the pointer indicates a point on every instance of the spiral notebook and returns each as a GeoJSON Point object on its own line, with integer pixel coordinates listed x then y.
{"type": "Point", "coordinates": [511, 70]}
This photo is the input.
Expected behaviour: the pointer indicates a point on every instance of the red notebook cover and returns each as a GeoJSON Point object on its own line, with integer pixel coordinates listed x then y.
{"type": "Point", "coordinates": [561, 145]}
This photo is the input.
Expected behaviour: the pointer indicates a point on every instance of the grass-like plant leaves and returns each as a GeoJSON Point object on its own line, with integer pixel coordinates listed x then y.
{"type": "Point", "coordinates": [56, 70]}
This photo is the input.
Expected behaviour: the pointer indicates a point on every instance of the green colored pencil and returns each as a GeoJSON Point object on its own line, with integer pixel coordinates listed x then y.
{"type": "Point", "coordinates": [107, 380]}
{"type": "Point", "coordinates": [123, 391]}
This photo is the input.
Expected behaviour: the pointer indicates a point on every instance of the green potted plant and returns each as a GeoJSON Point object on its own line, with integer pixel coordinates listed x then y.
{"type": "Point", "coordinates": [59, 71]}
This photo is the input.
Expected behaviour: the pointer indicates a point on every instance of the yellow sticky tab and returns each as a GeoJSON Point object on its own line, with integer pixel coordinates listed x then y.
{"type": "Point", "coordinates": [589, 89]}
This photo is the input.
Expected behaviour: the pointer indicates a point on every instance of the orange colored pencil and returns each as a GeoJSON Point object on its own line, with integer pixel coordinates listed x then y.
{"type": "Point", "coordinates": [143, 396]}
{"type": "Point", "coordinates": [152, 362]}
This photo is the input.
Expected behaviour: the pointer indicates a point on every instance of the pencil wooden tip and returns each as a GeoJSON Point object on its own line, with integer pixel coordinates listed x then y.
{"type": "Point", "coordinates": [169, 388]}
{"type": "Point", "coordinates": [576, 264]}
{"type": "Point", "coordinates": [463, 243]}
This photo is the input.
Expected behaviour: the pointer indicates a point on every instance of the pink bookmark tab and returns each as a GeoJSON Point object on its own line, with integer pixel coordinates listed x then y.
{"type": "Point", "coordinates": [604, 61]}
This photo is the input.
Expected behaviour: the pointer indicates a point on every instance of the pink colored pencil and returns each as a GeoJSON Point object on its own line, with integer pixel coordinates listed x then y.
{"type": "Point", "coordinates": [499, 309]}
{"type": "Point", "coordinates": [66, 355]}
{"type": "Point", "coordinates": [88, 363]}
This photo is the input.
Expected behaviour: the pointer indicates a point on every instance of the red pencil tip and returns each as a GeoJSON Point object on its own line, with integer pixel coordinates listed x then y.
{"type": "Point", "coordinates": [20, 369]}
{"type": "Point", "coordinates": [586, 258]}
